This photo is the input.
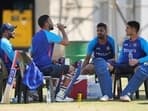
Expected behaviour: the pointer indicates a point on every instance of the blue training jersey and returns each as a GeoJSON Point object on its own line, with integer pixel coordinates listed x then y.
{"type": "Point", "coordinates": [6, 52]}
{"type": "Point", "coordinates": [139, 49]}
{"type": "Point", "coordinates": [106, 51]}
{"type": "Point", "coordinates": [42, 47]}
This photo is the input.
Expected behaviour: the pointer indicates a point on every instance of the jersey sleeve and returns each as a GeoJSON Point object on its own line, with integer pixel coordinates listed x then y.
{"type": "Point", "coordinates": [144, 46]}
{"type": "Point", "coordinates": [120, 58]}
{"type": "Point", "coordinates": [51, 37]}
{"type": "Point", "coordinates": [7, 48]}
{"type": "Point", "coordinates": [91, 46]}
{"type": "Point", "coordinates": [112, 42]}
{"type": "Point", "coordinates": [121, 54]}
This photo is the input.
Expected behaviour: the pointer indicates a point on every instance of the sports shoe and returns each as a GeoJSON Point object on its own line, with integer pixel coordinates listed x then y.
{"type": "Point", "coordinates": [33, 95]}
{"type": "Point", "coordinates": [125, 98]}
{"type": "Point", "coordinates": [66, 99]}
{"type": "Point", "coordinates": [106, 98]}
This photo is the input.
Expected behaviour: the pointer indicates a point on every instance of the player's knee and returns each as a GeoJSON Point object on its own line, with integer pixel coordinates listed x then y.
{"type": "Point", "coordinates": [88, 70]}
{"type": "Point", "coordinates": [100, 64]}
{"type": "Point", "coordinates": [143, 69]}
{"type": "Point", "coordinates": [84, 71]}
{"type": "Point", "coordinates": [99, 60]}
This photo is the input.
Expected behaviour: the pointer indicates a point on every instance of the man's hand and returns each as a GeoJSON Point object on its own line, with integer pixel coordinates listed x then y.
{"type": "Point", "coordinates": [60, 26]}
{"type": "Point", "coordinates": [133, 62]}
{"type": "Point", "coordinates": [88, 69]}
{"type": "Point", "coordinates": [110, 67]}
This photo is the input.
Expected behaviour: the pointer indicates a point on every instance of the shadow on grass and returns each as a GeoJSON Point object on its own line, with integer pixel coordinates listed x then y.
{"type": "Point", "coordinates": [142, 100]}
{"type": "Point", "coordinates": [144, 103]}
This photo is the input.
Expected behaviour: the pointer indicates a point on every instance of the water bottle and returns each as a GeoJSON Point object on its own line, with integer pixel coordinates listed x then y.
{"type": "Point", "coordinates": [130, 55]}
{"type": "Point", "coordinates": [67, 61]}
{"type": "Point", "coordinates": [48, 97]}
{"type": "Point", "coordinates": [79, 97]}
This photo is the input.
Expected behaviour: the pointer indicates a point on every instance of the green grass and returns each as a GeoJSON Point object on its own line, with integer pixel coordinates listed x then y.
{"type": "Point", "coordinates": [93, 105]}
{"type": "Point", "coordinates": [138, 105]}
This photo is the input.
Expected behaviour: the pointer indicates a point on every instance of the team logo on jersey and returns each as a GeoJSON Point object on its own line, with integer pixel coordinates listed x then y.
{"type": "Point", "coordinates": [125, 50]}
{"type": "Point", "coordinates": [107, 48]}
{"type": "Point", "coordinates": [98, 48]}
{"type": "Point", "coordinates": [126, 44]}
{"type": "Point", "coordinates": [135, 45]}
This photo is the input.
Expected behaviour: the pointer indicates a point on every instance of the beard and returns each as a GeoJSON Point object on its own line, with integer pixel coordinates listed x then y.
{"type": "Point", "coordinates": [11, 36]}
{"type": "Point", "coordinates": [101, 37]}
{"type": "Point", "coordinates": [50, 27]}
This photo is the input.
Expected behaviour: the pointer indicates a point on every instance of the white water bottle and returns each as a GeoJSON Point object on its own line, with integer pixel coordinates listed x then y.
{"type": "Point", "coordinates": [48, 97]}
{"type": "Point", "coordinates": [67, 61]}
{"type": "Point", "coordinates": [130, 55]}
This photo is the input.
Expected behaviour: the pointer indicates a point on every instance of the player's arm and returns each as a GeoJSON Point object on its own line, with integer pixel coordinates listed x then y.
{"type": "Point", "coordinates": [54, 38]}
{"type": "Point", "coordinates": [86, 60]}
{"type": "Point", "coordinates": [65, 40]}
{"type": "Point", "coordinates": [7, 47]}
{"type": "Point", "coordinates": [112, 42]}
{"type": "Point", "coordinates": [90, 48]}
{"type": "Point", "coordinates": [144, 46]}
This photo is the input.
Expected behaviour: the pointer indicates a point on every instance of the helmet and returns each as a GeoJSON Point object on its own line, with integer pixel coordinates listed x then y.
{"type": "Point", "coordinates": [7, 26]}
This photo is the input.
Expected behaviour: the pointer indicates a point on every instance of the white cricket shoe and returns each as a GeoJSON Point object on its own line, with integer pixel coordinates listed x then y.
{"type": "Point", "coordinates": [125, 98]}
{"type": "Point", "coordinates": [106, 98]}
{"type": "Point", "coordinates": [66, 99]}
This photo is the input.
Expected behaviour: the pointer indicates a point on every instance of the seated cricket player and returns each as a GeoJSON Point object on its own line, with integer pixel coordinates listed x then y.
{"type": "Point", "coordinates": [102, 48]}
{"type": "Point", "coordinates": [7, 32]}
{"type": "Point", "coordinates": [42, 50]}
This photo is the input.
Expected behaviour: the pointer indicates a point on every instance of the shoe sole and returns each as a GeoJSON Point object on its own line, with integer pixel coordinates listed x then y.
{"type": "Point", "coordinates": [111, 99]}
{"type": "Point", "coordinates": [64, 100]}
{"type": "Point", "coordinates": [124, 100]}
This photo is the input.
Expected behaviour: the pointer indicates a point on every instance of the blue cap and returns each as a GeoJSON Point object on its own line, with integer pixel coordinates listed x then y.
{"type": "Point", "coordinates": [7, 26]}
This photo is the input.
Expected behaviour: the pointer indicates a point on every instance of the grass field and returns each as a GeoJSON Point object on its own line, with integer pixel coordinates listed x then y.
{"type": "Point", "coordinates": [137, 105]}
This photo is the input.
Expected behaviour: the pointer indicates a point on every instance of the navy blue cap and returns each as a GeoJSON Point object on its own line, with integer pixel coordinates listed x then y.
{"type": "Point", "coordinates": [7, 26]}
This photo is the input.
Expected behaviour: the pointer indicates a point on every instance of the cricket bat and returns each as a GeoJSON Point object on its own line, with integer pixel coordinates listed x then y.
{"type": "Point", "coordinates": [77, 73]}
{"type": "Point", "coordinates": [6, 96]}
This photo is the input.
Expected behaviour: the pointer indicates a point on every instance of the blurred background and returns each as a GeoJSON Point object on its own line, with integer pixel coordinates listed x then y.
{"type": "Point", "coordinates": [80, 17]}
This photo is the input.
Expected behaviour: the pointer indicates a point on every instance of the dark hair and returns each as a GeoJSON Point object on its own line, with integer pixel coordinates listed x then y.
{"type": "Point", "coordinates": [42, 19]}
{"type": "Point", "coordinates": [134, 24]}
{"type": "Point", "coordinates": [102, 25]}
{"type": "Point", "coordinates": [7, 26]}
